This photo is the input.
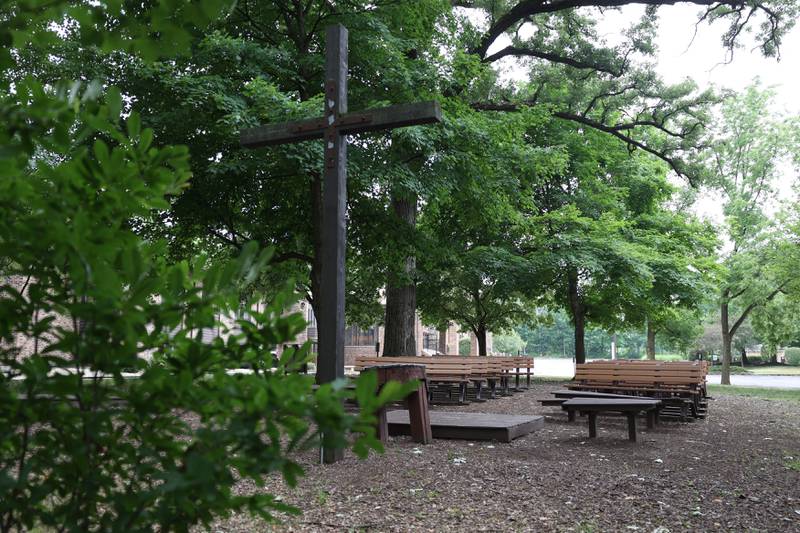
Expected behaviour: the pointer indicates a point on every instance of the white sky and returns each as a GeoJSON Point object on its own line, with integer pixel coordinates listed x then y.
{"type": "Point", "coordinates": [703, 60]}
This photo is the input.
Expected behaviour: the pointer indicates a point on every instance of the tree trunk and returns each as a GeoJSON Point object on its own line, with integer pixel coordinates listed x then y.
{"type": "Point", "coordinates": [772, 350]}
{"type": "Point", "coordinates": [651, 341]}
{"type": "Point", "coordinates": [745, 362]}
{"type": "Point", "coordinates": [726, 344]}
{"type": "Point", "coordinates": [401, 292]}
{"type": "Point", "coordinates": [481, 335]}
{"type": "Point", "coordinates": [578, 317]}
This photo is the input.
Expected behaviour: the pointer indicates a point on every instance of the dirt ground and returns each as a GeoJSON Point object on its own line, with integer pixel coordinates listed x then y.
{"type": "Point", "coordinates": [729, 472]}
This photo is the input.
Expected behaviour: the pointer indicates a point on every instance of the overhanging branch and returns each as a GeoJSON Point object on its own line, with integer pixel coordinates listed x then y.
{"type": "Point", "coordinates": [617, 130]}
{"type": "Point", "coordinates": [521, 11]}
{"type": "Point", "coordinates": [553, 58]}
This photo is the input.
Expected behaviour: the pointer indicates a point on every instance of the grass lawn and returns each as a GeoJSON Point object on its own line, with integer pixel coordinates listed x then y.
{"type": "Point", "coordinates": [777, 370]}
{"type": "Point", "coordinates": [756, 392]}
{"type": "Point", "coordinates": [771, 370]}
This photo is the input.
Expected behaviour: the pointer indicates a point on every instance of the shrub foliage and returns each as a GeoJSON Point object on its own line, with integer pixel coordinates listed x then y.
{"type": "Point", "coordinates": [82, 446]}
{"type": "Point", "coordinates": [793, 356]}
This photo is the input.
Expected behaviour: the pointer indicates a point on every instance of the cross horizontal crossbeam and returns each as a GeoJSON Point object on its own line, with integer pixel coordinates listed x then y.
{"type": "Point", "coordinates": [382, 118]}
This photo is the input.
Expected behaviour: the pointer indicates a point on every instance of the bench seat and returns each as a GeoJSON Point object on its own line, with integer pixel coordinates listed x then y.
{"type": "Point", "coordinates": [629, 407]}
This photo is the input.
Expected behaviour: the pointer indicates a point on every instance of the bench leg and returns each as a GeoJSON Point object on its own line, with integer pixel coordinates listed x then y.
{"type": "Point", "coordinates": [492, 389]}
{"type": "Point", "coordinates": [528, 379]}
{"type": "Point", "coordinates": [382, 430]}
{"type": "Point", "coordinates": [419, 417]}
{"type": "Point", "coordinates": [462, 396]}
{"type": "Point", "coordinates": [592, 425]}
{"type": "Point", "coordinates": [632, 426]}
{"type": "Point", "coordinates": [571, 415]}
{"type": "Point", "coordinates": [478, 389]}
{"type": "Point", "coordinates": [651, 419]}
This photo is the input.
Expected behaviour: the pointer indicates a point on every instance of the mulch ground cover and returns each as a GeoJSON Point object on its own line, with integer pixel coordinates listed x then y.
{"type": "Point", "coordinates": [731, 472]}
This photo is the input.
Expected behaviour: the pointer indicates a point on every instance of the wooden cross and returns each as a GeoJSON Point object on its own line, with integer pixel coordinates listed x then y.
{"type": "Point", "coordinates": [334, 127]}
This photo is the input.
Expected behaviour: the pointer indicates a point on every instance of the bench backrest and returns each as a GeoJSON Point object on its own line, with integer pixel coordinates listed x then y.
{"type": "Point", "coordinates": [440, 365]}
{"type": "Point", "coordinates": [703, 365]}
{"type": "Point", "coordinates": [637, 374]}
{"type": "Point", "coordinates": [432, 368]}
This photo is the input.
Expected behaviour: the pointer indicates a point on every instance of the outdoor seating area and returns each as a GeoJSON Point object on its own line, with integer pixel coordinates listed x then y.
{"type": "Point", "coordinates": [286, 266]}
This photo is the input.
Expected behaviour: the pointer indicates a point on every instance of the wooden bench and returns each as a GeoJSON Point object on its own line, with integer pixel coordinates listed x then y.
{"type": "Point", "coordinates": [497, 370]}
{"type": "Point", "coordinates": [478, 371]}
{"type": "Point", "coordinates": [681, 386]}
{"type": "Point", "coordinates": [522, 363]}
{"type": "Point", "coordinates": [447, 372]}
{"type": "Point", "coordinates": [674, 366]}
{"type": "Point", "coordinates": [629, 407]}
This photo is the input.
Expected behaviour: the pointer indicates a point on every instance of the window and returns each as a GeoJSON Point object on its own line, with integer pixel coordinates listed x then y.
{"type": "Point", "coordinates": [430, 340]}
{"type": "Point", "coordinates": [355, 336]}
{"type": "Point", "coordinates": [311, 331]}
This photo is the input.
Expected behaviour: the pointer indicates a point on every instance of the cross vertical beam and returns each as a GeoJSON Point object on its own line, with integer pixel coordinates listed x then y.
{"type": "Point", "coordinates": [330, 363]}
{"type": "Point", "coordinates": [333, 128]}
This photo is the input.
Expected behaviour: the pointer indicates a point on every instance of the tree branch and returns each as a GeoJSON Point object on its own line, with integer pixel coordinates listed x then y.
{"type": "Point", "coordinates": [615, 130]}
{"type": "Point", "coordinates": [753, 305]}
{"type": "Point", "coordinates": [528, 8]}
{"type": "Point", "coordinates": [554, 58]}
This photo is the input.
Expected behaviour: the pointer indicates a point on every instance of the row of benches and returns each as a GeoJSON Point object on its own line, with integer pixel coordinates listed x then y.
{"type": "Point", "coordinates": [680, 385]}
{"type": "Point", "coordinates": [461, 372]}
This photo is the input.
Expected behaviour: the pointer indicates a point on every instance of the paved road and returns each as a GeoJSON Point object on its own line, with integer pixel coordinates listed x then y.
{"type": "Point", "coordinates": [565, 368]}
{"type": "Point", "coordinates": [560, 368]}
{"type": "Point", "coordinates": [772, 382]}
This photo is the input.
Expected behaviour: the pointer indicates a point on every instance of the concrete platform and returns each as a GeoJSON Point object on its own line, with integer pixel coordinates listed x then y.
{"type": "Point", "coordinates": [469, 426]}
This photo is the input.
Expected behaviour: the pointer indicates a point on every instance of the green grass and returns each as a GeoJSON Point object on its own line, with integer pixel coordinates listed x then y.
{"type": "Point", "coordinates": [545, 379]}
{"type": "Point", "coordinates": [794, 464]}
{"type": "Point", "coordinates": [792, 395]}
{"type": "Point", "coordinates": [735, 369]}
{"type": "Point", "coordinates": [668, 357]}
{"type": "Point", "coordinates": [775, 370]}
{"type": "Point", "coordinates": [768, 370]}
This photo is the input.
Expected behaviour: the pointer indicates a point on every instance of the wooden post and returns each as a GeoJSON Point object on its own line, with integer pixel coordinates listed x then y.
{"type": "Point", "coordinates": [632, 426]}
{"type": "Point", "coordinates": [651, 419]}
{"type": "Point", "coordinates": [592, 424]}
{"type": "Point", "coordinates": [333, 128]}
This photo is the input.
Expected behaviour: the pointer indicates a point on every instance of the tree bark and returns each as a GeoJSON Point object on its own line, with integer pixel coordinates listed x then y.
{"type": "Point", "coordinates": [726, 344]}
{"type": "Point", "coordinates": [401, 293]}
{"type": "Point", "coordinates": [578, 311]}
{"type": "Point", "coordinates": [745, 362]}
{"type": "Point", "coordinates": [481, 335]}
{"type": "Point", "coordinates": [651, 341]}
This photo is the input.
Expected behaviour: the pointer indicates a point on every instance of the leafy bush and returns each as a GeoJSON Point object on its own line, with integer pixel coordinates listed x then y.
{"type": "Point", "coordinates": [509, 343]}
{"type": "Point", "coordinates": [464, 346]}
{"type": "Point", "coordinates": [82, 297]}
{"type": "Point", "coordinates": [669, 357]}
{"type": "Point", "coordinates": [792, 356]}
